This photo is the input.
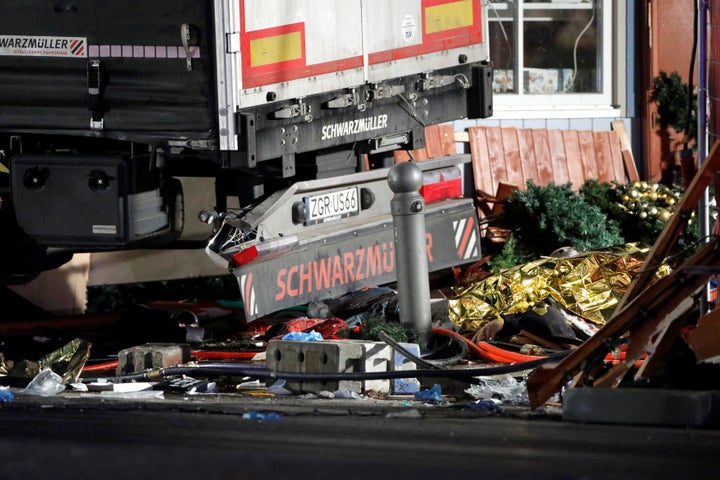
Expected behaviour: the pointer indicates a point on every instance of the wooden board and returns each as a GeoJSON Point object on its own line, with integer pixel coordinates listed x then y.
{"type": "Point", "coordinates": [513, 156]}
{"type": "Point", "coordinates": [510, 157]}
{"type": "Point", "coordinates": [439, 142]}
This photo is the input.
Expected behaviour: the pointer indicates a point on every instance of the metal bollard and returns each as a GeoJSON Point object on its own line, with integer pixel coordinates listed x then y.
{"type": "Point", "coordinates": [408, 211]}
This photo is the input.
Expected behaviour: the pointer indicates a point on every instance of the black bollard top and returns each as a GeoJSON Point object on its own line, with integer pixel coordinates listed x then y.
{"type": "Point", "coordinates": [405, 177]}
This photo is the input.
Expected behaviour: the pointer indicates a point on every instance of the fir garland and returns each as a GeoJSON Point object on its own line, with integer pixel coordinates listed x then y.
{"type": "Point", "coordinates": [545, 218]}
{"type": "Point", "coordinates": [542, 219]}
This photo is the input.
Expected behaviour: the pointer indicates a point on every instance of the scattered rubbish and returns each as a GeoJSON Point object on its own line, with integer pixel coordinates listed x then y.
{"type": "Point", "coordinates": [270, 416]}
{"type": "Point", "coordinates": [328, 328]}
{"type": "Point", "coordinates": [409, 413]}
{"type": "Point", "coordinates": [504, 388]}
{"type": "Point", "coordinates": [278, 388]}
{"type": "Point", "coordinates": [46, 383]}
{"type": "Point", "coordinates": [487, 405]}
{"type": "Point", "coordinates": [105, 386]}
{"type": "Point", "coordinates": [252, 385]}
{"type": "Point", "coordinates": [185, 384]}
{"type": "Point", "coordinates": [67, 361]}
{"type": "Point", "coordinates": [433, 394]}
{"type": "Point", "coordinates": [345, 393]}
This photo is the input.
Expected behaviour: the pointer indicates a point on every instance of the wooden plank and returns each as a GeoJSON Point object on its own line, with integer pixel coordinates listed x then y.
{"type": "Point", "coordinates": [529, 160]}
{"type": "Point", "coordinates": [462, 137]}
{"type": "Point", "coordinates": [558, 156]}
{"type": "Point", "coordinates": [618, 127]}
{"type": "Point", "coordinates": [603, 158]}
{"type": "Point", "coordinates": [617, 161]}
{"type": "Point", "coordinates": [543, 158]}
{"type": "Point", "coordinates": [497, 155]}
{"type": "Point", "coordinates": [511, 157]}
{"type": "Point", "coordinates": [443, 140]}
{"type": "Point", "coordinates": [586, 143]}
{"type": "Point", "coordinates": [576, 172]}
{"type": "Point", "coordinates": [439, 142]}
{"type": "Point", "coordinates": [480, 155]}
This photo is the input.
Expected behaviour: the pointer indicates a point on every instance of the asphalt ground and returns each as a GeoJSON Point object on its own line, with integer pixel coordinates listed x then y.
{"type": "Point", "coordinates": [243, 437]}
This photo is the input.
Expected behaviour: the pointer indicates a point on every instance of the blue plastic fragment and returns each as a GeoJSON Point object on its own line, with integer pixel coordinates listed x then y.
{"type": "Point", "coordinates": [271, 416]}
{"type": "Point", "coordinates": [311, 336]}
{"type": "Point", "coordinates": [6, 395]}
{"type": "Point", "coordinates": [433, 394]}
{"type": "Point", "coordinates": [489, 405]}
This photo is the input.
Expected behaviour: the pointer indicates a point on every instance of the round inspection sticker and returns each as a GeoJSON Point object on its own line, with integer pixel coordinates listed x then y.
{"type": "Point", "coordinates": [408, 28]}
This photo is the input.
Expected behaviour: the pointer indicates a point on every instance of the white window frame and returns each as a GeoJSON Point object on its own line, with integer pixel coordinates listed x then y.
{"type": "Point", "coordinates": [519, 104]}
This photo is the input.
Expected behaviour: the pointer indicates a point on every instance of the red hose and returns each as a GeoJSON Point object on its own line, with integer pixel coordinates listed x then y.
{"type": "Point", "coordinates": [500, 355]}
{"type": "Point", "coordinates": [487, 351]}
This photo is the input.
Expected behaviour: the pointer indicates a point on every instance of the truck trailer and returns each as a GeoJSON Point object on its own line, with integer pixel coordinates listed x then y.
{"type": "Point", "coordinates": [294, 108]}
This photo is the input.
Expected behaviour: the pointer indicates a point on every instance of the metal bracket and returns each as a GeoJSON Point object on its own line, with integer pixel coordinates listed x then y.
{"type": "Point", "coordinates": [185, 37]}
{"type": "Point", "coordinates": [94, 84]}
{"type": "Point", "coordinates": [292, 111]}
{"type": "Point", "coordinates": [382, 90]}
{"type": "Point", "coordinates": [345, 100]}
{"type": "Point", "coordinates": [428, 82]}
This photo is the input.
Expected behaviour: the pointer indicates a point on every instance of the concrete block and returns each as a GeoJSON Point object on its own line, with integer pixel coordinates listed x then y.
{"type": "Point", "coordinates": [331, 356]}
{"type": "Point", "coordinates": [640, 406]}
{"type": "Point", "coordinates": [152, 355]}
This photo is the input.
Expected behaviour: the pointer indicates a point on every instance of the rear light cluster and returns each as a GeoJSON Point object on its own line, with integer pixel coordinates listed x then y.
{"type": "Point", "coordinates": [442, 184]}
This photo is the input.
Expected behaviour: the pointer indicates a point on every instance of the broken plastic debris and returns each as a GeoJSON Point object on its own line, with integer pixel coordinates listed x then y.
{"type": "Point", "coordinates": [505, 388]}
{"type": "Point", "coordinates": [345, 393]}
{"type": "Point", "coordinates": [271, 416]}
{"type": "Point", "coordinates": [433, 394]}
{"type": "Point", "coordinates": [45, 383]}
{"type": "Point", "coordinates": [488, 405]}
{"type": "Point", "coordinates": [105, 386]}
{"type": "Point", "coordinates": [278, 388]}
{"type": "Point", "coordinates": [311, 336]}
{"type": "Point", "coordinates": [6, 395]}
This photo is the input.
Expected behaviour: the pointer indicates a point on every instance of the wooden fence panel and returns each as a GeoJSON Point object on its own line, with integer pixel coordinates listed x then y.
{"type": "Point", "coordinates": [511, 153]}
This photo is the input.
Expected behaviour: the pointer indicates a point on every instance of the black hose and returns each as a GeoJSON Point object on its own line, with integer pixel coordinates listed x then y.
{"type": "Point", "coordinates": [457, 341]}
{"type": "Point", "coordinates": [244, 370]}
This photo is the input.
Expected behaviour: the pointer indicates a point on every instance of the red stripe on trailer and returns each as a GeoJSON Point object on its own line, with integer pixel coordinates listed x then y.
{"type": "Point", "coordinates": [296, 69]}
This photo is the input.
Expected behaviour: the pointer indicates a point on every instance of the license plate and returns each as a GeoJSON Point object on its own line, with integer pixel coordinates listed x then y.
{"type": "Point", "coordinates": [332, 205]}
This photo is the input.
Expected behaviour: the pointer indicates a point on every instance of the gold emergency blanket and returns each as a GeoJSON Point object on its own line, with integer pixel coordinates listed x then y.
{"type": "Point", "coordinates": [67, 361]}
{"type": "Point", "coordinates": [588, 285]}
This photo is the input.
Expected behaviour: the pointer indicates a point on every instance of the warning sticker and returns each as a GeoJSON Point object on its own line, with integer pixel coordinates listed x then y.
{"type": "Point", "coordinates": [36, 46]}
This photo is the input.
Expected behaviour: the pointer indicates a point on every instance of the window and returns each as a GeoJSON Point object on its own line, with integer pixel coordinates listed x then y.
{"type": "Point", "coordinates": [551, 57]}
